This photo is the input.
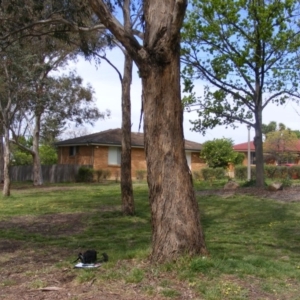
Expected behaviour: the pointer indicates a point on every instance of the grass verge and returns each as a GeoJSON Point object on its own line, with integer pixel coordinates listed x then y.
{"type": "Point", "coordinates": [254, 245]}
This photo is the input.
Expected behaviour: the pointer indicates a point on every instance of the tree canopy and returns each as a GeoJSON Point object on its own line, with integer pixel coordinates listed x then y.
{"type": "Point", "coordinates": [247, 54]}
{"type": "Point", "coordinates": [281, 146]}
{"type": "Point", "coordinates": [220, 153]}
{"type": "Point", "coordinates": [273, 126]}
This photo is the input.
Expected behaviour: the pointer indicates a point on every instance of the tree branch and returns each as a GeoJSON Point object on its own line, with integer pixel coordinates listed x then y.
{"type": "Point", "coordinates": [125, 37]}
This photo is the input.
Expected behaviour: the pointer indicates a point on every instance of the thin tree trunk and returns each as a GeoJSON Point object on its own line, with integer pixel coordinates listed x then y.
{"type": "Point", "coordinates": [37, 169]}
{"type": "Point", "coordinates": [1, 159]}
{"type": "Point", "coordinates": [258, 143]}
{"type": "Point", "coordinates": [176, 228]}
{"type": "Point", "coordinates": [6, 185]}
{"type": "Point", "coordinates": [126, 180]}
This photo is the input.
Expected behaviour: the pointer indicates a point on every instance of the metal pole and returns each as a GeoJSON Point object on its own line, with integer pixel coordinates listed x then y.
{"type": "Point", "coordinates": [249, 156]}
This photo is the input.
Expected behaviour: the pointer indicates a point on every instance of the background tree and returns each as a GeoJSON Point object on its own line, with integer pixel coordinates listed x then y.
{"type": "Point", "coordinates": [175, 215]}
{"type": "Point", "coordinates": [42, 25]}
{"type": "Point", "coordinates": [273, 126]}
{"type": "Point", "coordinates": [64, 18]}
{"type": "Point", "coordinates": [282, 146]}
{"type": "Point", "coordinates": [14, 82]}
{"type": "Point", "coordinates": [266, 128]}
{"type": "Point", "coordinates": [220, 153]}
{"type": "Point", "coordinates": [131, 11]}
{"type": "Point", "coordinates": [48, 154]}
{"type": "Point", "coordinates": [61, 98]}
{"type": "Point", "coordinates": [247, 53]}
{"type": "Point", "coordinates": [19, 156]}
{"type": "Point", "coordinates": [297, 132]}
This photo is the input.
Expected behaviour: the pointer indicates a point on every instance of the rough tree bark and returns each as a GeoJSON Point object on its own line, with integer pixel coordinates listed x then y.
{"type": "Point", "coordinates": [175, 214]}
{"type": "Point", "coordinates": [6, 184]}
{"type": "Point", "coordinates": [1, 158]}
{"type": "Point", "coordinates": [176, 228]}
{"type": "Point", "coordinates": [37, 168]}
{"type": "Point", "coordinates": [126, 180]}
{"type": "Point", "coordinates": [258, 144]}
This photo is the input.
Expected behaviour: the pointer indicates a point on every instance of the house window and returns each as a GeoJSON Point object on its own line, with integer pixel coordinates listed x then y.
{"type": "Point", "coordinates": [73, 150]}
{"type": "Point", "coordinates": [114, 156]}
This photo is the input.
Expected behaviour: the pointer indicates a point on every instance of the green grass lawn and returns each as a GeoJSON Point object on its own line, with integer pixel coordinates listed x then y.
{"type": "Point", "coordinates": [254, 243]}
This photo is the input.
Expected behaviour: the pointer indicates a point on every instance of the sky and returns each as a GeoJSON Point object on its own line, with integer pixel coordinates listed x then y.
{"type": "Point", "coordinates": [105, 81]}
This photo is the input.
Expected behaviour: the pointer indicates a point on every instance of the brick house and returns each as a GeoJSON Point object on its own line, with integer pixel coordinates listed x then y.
{"type": "Point", "coordinates": [102, 150]}
{"type": "Point", "coordinates": [243, 148]}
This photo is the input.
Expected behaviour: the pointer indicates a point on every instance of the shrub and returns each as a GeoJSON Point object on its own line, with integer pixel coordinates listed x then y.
{"type": "Point", "coordinates": [140, 174]}
{"type": "Point", "coordinates": [117, 175]}
{"type": "Point", "coordinates": [294, 172]}
{"type": "Point", "coordinates": [240, 172]}
{"type": "Point", "coordinates": [85, 174]}
{"type": "Point", "coordinates": [106, 174]}
{"type": "Point", "coordinates": [209, 173]}
{"type": "Point", "coordinates": [283, 172]}
{"type": "Point", "coordinates": [286, 182]}
{"type": "Point", "coordinates": [271, 171]}
{"type": "Point", "coordinates": [99, 174]}
{"type": "Point", "coordinates": [197, 175]}
{"type": "Point", "coordinates": [219, 173]}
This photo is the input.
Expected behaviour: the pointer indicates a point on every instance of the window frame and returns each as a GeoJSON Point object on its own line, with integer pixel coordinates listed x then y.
{"type": "Point", "coordinates": [114, 156]}
{"type": "Point", "coordinates": [73, 150]}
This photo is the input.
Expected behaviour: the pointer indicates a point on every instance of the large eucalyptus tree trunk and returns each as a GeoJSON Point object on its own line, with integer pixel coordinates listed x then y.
{"type": "Point", "coordinates": [126, 180]}
{"type": "Point", "coordinates": [176, 228]}
{"type": "Point", "coordinates": [175, 215]}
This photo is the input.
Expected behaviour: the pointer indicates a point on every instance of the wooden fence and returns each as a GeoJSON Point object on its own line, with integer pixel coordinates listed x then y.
{"type": "Point", "coordinates": [51, 174]}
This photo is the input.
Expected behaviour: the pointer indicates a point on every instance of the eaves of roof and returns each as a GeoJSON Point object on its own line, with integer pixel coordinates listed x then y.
{"type": "Point", "coordinates": [113, 137]}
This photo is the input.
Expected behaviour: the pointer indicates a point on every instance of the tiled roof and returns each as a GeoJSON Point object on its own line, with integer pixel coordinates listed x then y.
{"type": "Point", "coordinates": [244, 147]}
{"type": "Point", "coordinates": [113, 137]}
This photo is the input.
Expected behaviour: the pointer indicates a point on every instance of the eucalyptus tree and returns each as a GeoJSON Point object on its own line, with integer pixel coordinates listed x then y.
{"type": "Point", "coordinates": [14, 82]}
{"type": "Point", "coordinates": [246, 53]}
{"type": "Point", "coordinates": [64, 18]}
{"type": "Point", "coordinates": [63, 98]}
{"type": "Point", "coordinates": [176, 228]}
{"type": "Point", "coordinates": [48, 29]}
{"type": "Point", "coordinates": [131, 14]}
{"type": "Point", "coordinates": [20, 19]}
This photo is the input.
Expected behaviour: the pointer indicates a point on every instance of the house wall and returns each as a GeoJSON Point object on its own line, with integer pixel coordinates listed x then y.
{"type": "Point", "coordinates": [197, 163]}
{"type": "Point", "coordinates": [97, 156]}
{"type": "Point", "coordinates": [83, 156]}
{"type": "Point", "coordinates": [138, 161]}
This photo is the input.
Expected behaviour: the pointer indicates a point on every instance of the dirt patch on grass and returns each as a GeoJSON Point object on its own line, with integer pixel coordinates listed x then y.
{"type": "Point", "coordinates": [47, 225]}
{"type": "Point", "coordinates": [24, 275]}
